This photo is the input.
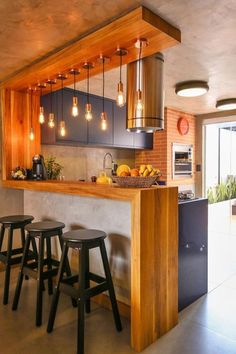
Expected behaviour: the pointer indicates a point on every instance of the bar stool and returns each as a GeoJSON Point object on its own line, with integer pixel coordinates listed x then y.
{"type": "Point", "coordinates": [83, 240]}
{"type": "Point", "coordinates": [43, 231]}
{"type": "Point", "coordinates": [13, 255]}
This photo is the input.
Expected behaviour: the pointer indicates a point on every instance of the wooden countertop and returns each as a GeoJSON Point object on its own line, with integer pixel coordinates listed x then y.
{"type": "Point", "coordinates": [87, 189]}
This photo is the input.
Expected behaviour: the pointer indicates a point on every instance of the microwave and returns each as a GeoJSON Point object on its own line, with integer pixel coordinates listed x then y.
{"type": "Point", "coordinates": [182, 160]}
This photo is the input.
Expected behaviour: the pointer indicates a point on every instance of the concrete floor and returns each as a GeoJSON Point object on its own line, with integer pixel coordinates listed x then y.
{"type": "Point", "coordinates": [206, 327]}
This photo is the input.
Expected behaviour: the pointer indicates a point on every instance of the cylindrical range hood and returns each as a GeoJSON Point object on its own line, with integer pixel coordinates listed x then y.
{"type": "Point", "coordinates": [150, 83]}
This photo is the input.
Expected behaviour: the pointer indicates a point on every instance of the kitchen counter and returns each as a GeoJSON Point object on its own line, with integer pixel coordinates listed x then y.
{"type": "Point", "coordinates": [142, 228]}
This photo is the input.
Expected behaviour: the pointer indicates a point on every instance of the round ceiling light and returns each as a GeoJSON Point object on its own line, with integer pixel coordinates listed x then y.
{"type": "Point", "coordinates": [227, 104]}
{"type": "Point", "coordinates": [191, 88]}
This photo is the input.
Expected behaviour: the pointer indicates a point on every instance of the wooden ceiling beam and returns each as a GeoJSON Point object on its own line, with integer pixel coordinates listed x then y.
{"type": "Point", "coordinates": [122, 32]}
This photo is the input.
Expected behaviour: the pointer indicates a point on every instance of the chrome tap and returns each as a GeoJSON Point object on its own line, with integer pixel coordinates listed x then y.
{"type": "Point", "coordinates": [111, 162]}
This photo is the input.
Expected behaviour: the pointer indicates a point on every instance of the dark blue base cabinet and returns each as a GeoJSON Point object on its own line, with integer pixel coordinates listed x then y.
{"type": "Point", "coordinates": [81, 132]}
{"type": "Point", "coordinates": [193, 235]}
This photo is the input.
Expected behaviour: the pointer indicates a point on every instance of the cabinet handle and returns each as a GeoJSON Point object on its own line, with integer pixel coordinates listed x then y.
{"type": "Point", "coordinates": [202, 247]}
{"type": "Point", "coordinates": [187, 245]}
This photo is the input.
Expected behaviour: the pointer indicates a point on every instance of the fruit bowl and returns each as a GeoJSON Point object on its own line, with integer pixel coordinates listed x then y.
{"type": "Point", "coordinates": [135, 182]}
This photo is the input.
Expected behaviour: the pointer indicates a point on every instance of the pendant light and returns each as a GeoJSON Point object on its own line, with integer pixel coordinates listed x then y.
{"type": "Point", "coordinates": [75, 105]}
{"type": "Point", "coordinates": [88, 107]}
{"type": "Point", "coordinates": [41, 109]}
{"type": "Point", "coordinates": [140, 44]}
{"type": "Point", "coordinates": [120, 100]}
{"type": "Point", "coordinates": [62, 128]}
{"type": "Point", "coordinates": [103, 116]}
{"type": "Point", "coordinates": [51, 118]}
{"type": "Point", "coordinates": [31, 132]}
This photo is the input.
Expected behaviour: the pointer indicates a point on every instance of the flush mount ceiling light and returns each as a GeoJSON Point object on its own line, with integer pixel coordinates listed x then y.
{"type": "Point", "coordinates": [191, 88]}
{"type": "Point", "coordinates": [226, 104]}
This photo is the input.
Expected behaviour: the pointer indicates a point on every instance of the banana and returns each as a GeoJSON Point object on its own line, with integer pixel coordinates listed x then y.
{"type": "Point", "coordinates": [149, 167]}
{"type": "Point", "coordinates": [142, 168]}
{"type": "Point", "coordinates": [145, 173]}
{"type": "Point", "coordinates": [152, 173]}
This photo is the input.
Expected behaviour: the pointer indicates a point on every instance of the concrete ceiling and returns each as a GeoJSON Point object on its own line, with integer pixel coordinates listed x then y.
{"type": "Point", "coordinates": [30, 29]}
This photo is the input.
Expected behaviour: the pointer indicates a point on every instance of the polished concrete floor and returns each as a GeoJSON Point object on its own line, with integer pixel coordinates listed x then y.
{"type": "Point", "coordinates": [206, 327]}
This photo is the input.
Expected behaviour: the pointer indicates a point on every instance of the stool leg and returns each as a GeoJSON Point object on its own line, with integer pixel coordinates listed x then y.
{"type": "Point", "coordinates": [49, 265]}
{"type": "Point", "coordinates": [40, 282]}
{"type": "Point", "coordinates": [81, 300]}
{"type": "Point", "coordinates": [2, 236]}
{"type": "Point", "coordinates": [56, 293]}
{"type": "Point", "coordinates": [34, 247]}
{"type": "Point", "coordinates": [87, 282]}
{"type": "Point", "coordinates": [21, 274]}
{"type": "Point", "coordinates": [22, 231]}
{"type": "Point", "coordinates": [8, 267]}
{"type": "Point", "coordinates": [110, 286]}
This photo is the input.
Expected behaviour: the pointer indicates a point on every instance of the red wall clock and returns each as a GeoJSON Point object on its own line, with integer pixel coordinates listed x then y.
{"type": "Point", "coordinates": [183, 126]}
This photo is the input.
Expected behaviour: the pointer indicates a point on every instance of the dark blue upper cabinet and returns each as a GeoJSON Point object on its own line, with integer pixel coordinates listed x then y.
{"type": "Point", "coordinates": [76, 127]}
{"type": "Point", "coordinates": [80, 132]}
{"type": "Point", "coordinates": [97, 136]}
{"type": "Point", "coordinates": [121, 136]}
{"type": "Point", "coordinates": [48, 135]}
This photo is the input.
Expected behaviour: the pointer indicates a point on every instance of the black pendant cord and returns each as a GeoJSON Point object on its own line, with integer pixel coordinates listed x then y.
{"type": "Point", "coordinates": [103, 86]}
{"type": "Point", "coordinates": [139, 67]}
{"type": "Point", "coordinates": [62, 99]}
{"type": "Point", "coordinates": [74, 84]}
{"type": "Point", "coordinates": [120, 66]}
{"type": "Point", "coordinates": [40, 94]}
{"type": "Point", "coordinates": [51, 96]}
{"type": "Point", "coordinates": [88, 85]}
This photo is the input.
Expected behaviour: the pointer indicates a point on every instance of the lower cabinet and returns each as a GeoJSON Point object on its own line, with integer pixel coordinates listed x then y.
{"type": "Point", "coordinates": [193, 235]}
{"type": "Point", "coordinates": [81, 132]}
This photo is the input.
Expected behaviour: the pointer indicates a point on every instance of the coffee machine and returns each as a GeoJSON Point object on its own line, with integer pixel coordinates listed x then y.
{"type": "Point", "coordinates": [39, 170]}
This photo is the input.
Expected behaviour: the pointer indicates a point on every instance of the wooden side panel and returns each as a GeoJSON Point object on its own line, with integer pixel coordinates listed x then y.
{"type": "Point", "coordinates": [154, 269]}
{"type": "Point", "coordinates": [16, 112]}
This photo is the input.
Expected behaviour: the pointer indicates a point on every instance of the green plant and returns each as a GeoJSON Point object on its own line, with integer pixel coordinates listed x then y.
{"type": "Point", "coordinates": [53, 168]}
{"type": "Point", "coordinates": [223, 191]}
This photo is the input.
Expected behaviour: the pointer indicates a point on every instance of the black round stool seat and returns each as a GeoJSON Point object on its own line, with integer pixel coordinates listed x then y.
{"type": "Point", "coordinates": [84, 235]}
{"type": "Point", "coordinates": [44, 226]}
{"type": "Point", "coordinates": [16, 219]}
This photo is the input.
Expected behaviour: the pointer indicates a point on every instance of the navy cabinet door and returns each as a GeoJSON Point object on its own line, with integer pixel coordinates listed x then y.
{"type": "Point", "coordinates": [97, 136]}
{"type": "Point", "coordinates": [121, 136]}
{"type": "Point", "coordinates": [76, 127]}
{"type": "Point", "coordinates": [143, 140]}
{"type": "Point", "coordinates": [48, 135]}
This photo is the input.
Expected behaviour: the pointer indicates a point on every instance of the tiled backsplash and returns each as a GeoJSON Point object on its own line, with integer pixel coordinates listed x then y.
{"type": "Point", "coordinates": [84, 162]}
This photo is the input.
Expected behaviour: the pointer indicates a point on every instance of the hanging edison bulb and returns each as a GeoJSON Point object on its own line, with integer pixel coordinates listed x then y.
{"type": "Point", "coordinates": [103, 121]}
{"type": "Point", "coordinates": [51, 120]}
{"type": "Point", "coordinates": [41, 115]}
{"type": "Point", "coordinates": [75, 107]}
{"type": "Point", "coordinates": [139, 104]}
{"type": "Point", "coordinates": [88, 112]}
{"type": "Point", "coordinates": [120, 100]}
{"type": "Point", "coordinates": [31, 134]}
{"type": "Point", "coordinates": [62, 128]}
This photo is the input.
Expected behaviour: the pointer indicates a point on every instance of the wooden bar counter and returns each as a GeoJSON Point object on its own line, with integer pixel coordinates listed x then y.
{"type": "Point", "coordinates": [154, 250]}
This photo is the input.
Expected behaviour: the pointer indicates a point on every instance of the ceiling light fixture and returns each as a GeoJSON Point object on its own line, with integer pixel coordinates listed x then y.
{"type": "Point", "coordinates": [227, 104]}
{"type": "Point", "coordinates": [51, 118]}
{"type": "Point", "coordinates": [103, 116]}
{"type": "Point", "coordinates": [140, 44]}
{"type": "Point", "coordinates": [191, 88]}
{"type": "Point", "coordinates": [88, 108]}
{"type": "Point", "coordinates": [41, 109]}
{"type": "Point", "coordinates": [31, 133]}
{"type": "Point", "coordinates": [75, 106]}
{"type": "Point", "coordinates": [62, 128]}
{"type": "Point", "coordinates": [120, 100]}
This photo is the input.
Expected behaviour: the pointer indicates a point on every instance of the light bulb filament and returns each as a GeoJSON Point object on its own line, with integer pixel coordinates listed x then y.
{"type": "Point", "coordinates": [75, 108]}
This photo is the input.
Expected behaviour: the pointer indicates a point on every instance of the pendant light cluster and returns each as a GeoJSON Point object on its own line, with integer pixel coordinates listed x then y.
{"type": "Point", "coordinates": [75, 109]}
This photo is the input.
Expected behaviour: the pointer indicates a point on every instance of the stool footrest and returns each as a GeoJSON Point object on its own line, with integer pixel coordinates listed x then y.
{"type": "Point", "coordinates": [15, 260]}
{"type": "Point", "coordinates": [31, 272]}
{"type": "Point", "coordinates": [96, 278]}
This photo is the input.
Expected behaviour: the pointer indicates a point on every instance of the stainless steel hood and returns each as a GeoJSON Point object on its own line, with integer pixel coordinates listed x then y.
{"type": "Point", "coordinates": [151, 117]}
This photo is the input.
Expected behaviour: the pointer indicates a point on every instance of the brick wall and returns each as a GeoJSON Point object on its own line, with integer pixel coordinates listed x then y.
{"type": "Point", "coordinates": [161, 155]}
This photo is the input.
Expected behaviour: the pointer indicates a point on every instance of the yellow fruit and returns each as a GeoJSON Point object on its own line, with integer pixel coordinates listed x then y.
{"type": "Point", "coordinates": [145, 173]}
{"type": "Point", "coordinates": [152, 173]}
{"type": "Point", "coordinates": [149, 167]}
{"type": "Point", "coordinates": [122, 168]}
{"type": "Point", "coordinates": [142, 168]}
{"type": "Point", "coordinates": [124, 174]}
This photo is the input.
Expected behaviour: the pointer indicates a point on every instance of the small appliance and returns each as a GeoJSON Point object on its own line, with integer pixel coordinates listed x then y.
{"type": "Point", "coordinates": [182, 160]}
{"type": "Point", "coordinates": [39, 170]}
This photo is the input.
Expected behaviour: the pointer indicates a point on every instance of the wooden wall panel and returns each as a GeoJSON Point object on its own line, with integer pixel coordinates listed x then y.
{"type": "Point", "coordinates": [17, 149]}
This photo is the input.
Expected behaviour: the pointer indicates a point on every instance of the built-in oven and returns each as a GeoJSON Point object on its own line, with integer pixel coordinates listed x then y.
{"type": "Point", "coordinates": [182, 160]}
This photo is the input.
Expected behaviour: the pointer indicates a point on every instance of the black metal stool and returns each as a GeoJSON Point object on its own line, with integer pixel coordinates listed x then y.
{"type": "Point", "coordinates": [43, 231]}
{"type": "Point", "coordinates": [84, 240]}
{"type": "Point", "coordinates": [13, 255]}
